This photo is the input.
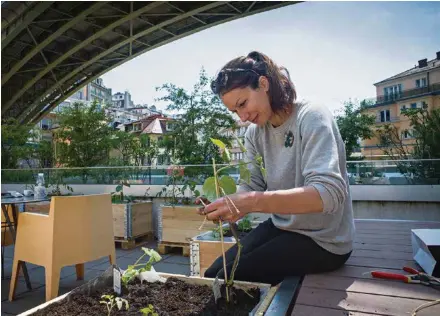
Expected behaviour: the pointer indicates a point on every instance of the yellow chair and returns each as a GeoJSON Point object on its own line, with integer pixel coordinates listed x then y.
{"type": "Point", "coordinates": [78, 229]}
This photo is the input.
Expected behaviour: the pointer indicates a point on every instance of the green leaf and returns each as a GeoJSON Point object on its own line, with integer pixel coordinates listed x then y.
{"type": "Point", "coordinates": [119, 188]}
{"type": "Point", "coordinates": [197, 193]}
{"type": "Point", "coordinates": [209, 189]}
{"type": "Point", "coordinates": [218, 143]}
{"type": "Point", "coordinates": [245, 173]}
{"type": "Point", "coordinates": [228, 184]}
{"type": "Point", "coordinates": [226, 155]}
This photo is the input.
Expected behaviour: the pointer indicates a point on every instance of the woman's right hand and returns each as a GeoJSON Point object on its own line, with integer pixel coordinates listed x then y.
{"type": "Point", "coordinates": [202, 200]}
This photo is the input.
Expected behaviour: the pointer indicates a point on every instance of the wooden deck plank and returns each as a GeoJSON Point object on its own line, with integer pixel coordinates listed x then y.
{"type": "Point", "coordinates": [360, 302]}
{"type": "Point", "coordinates": [382, 241]}
{"type": "Point", "coordinates": [379, 245]}
{"type": "Point", "coordinates": [304, 310]}
{"type": "Point", "coordinates": [390, 248]}
{"type": "Point", "coordinates": [381, 263]}
{"type": "Point", "coordinates": [382, 254]}
{"type": "Point", "coordinates": [372, 286]}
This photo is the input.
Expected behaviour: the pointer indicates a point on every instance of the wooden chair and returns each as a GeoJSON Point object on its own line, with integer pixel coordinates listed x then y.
{"type": "Point", "coordinates": [78, 229]}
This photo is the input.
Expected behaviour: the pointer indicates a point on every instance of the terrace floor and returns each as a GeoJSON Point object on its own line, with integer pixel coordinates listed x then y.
{"type": "Point", "coordinates": [380, 245]}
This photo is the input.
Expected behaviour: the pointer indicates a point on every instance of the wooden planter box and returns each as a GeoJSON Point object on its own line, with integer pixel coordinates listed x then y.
{"type": "Point", "coordinates": [179, 225]}
{"type": "Point", "coordinates": [39, 207]}
{"type": "Point", "coordinates": [266, 297]}
{"type": "Point", "coordinates": [204, 249]}
{"type": "Point", "coordinates": [132, 223]}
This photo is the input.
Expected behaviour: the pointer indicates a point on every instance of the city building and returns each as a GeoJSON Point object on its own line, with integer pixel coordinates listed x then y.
{"type": "Point", "coordinates": [156, 127]}
{"type": "Point", "coordinates": [418, 87]}
{"type": "Point", "coordinates": [98, 92]}
{"type": "Point", "coordinates": [239, 131]}
{"type": "Point", "coordinates": [122, 100]}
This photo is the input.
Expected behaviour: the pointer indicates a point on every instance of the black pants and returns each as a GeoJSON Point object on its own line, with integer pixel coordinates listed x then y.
{"type": "Point", "coordinates": [269, 254]}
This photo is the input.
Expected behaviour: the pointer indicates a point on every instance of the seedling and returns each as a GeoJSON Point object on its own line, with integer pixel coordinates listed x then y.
{"type": "Point", "coordinates": [132, 271]}
{"type": "Point", "coordinates": [245, 225]}
{"type": "Point", "coordinates": [110, 301]}
{"type": "Point", "coordinates": [119, 196]}
{"type": "Point", "coordinates": [149, 311]}
{"type": "Point", "coordinates": [216, 186]}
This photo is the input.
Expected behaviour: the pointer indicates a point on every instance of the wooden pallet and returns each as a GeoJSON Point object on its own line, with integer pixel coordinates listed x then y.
{"type": "Point", "coordinates": [165, 247]}
{"type": "Point", "coordinates": [130, 243]}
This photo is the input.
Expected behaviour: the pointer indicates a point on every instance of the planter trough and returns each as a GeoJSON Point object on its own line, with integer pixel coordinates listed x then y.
{"type": "Point", "coordinates": [193, 289]}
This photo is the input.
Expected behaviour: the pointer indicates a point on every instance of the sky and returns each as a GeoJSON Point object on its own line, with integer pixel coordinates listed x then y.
{"type": "Point", "coordinates": [334, 51]}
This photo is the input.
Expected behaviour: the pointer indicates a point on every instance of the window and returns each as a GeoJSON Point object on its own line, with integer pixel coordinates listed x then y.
{"type": "Point", "coordinates": [406, 134]}
{"type": "Point", "coordinates": [420, 83]}
{"type": "Point", "coordinates": [385, 116]}
{"type": "Point", "coordinates": [392, 92]}
{"type": "Point", "coordinates": [402, 108]}
{"type": "Point", "coordinates": [413, 105]}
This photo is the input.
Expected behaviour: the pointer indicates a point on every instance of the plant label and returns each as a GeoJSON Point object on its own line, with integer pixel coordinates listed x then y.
{"type": "Point", "coordinates": [117, 281]}
{"type": "Point", "coordinates": [216, 289]}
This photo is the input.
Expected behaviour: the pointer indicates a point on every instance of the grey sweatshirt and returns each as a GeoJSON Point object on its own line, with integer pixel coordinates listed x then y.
{"type": "Point", "coordinates": [315, 157]}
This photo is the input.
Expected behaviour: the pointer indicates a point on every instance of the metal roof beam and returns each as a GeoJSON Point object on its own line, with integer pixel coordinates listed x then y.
{"type": "Point", "coordinates": [44, 58]}
{"type": "Point", "coordinates": [22, 25]}
{"type": "Point", "coordinates": [140, 34]}
{"type": "Point", "coordinates": [234, 8]}
{"type": "Point", "coordinates": [140, 18]}
{"type": "Point", "coordinates": [251, 6]}
{"type": "Point", "coordinates": [182, 11]}
{"type": "Point", "coordinates": [76, 48]}
{"type": "Point", "coordinates": [48, 40]}
{"type": "Point", "coordinates": [74, 39]}
{"type": "Point", "coordinates": [101, 27]}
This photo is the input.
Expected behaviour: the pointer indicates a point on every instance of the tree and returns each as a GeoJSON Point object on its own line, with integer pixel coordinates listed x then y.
{"type": "Point", "coordinates": [424, 143]}
{"type": "Point", "coordinates": [202, 116]}
{"type": "Point", "coordinates": [353, 125]}
{"type": "Point", "coordinates": [84, 136]}
{"type": "Point", "coordinates": [15, 142]}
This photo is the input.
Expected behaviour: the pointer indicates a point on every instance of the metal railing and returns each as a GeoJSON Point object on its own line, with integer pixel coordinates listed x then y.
{"type": "Point", "coordinates": [377, 172]}
{"type": "Point", "coordinates": [391, 98]}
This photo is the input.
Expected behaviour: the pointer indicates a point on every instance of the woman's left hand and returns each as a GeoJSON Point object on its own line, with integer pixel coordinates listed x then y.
{"type": "Point", "coordinates": [230, 208]}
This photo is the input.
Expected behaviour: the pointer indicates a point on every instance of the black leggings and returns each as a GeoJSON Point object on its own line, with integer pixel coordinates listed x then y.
{"type": "Point", "coordinates": [269, 254]}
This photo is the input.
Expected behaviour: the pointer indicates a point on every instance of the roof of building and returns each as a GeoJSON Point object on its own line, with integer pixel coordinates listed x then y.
{"type": "Point", "coordinates": [432, 64]}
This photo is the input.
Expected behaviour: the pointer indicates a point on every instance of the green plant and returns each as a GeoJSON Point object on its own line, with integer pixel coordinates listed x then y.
{"type": "Point", "coordinates": [118, 196]}
{"type": "Point", "coordinates": [132, 271]}
{"type": "Point", "coordinates": [218, 186]}
{"type": "Point", "coordinates": [149, 311]}
{"type": "Point", "coordinates": [110, 301]}
{"type": "Point", "coordinates": [245, 225]}
{"type": "Point", "coordinates": [216, 232]}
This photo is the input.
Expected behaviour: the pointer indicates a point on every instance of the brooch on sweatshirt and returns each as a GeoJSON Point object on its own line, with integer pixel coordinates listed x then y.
{"type": "Point", "coordinates": [288, 139]}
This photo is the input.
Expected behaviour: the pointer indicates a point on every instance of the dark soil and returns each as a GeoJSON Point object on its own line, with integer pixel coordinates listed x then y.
{"type": "Point", "coordinates": [175, 297]}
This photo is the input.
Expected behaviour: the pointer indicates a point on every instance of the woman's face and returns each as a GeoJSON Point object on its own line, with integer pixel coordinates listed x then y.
{"type": "Point", "coordinates": [250, 105]}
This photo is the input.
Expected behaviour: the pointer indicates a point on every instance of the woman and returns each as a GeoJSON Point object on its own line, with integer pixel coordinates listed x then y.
{"type": "Point", "coordinates": [306, 189]}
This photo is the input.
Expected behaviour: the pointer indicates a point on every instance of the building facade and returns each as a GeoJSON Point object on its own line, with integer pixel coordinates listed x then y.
{"type": "Point", "coordinates": [418, 87]}
{"type": "Point", "coordinates": [122, 100]}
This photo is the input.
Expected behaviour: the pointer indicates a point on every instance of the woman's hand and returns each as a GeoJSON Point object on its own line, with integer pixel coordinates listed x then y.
{"type": "Point", "coordinates": [230, 208]}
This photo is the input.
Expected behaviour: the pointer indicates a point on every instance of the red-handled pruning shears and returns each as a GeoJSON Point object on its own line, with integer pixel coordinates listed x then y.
{"type": "Point", "coordinates": [415, 277]}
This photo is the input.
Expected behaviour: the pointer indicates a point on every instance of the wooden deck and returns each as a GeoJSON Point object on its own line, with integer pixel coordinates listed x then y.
{"type": "Point", "coordinates": [380, 245]}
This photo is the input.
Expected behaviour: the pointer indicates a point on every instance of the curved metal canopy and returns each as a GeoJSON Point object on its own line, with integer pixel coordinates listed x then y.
{"type": "Point", "coordinates": [51, 49]}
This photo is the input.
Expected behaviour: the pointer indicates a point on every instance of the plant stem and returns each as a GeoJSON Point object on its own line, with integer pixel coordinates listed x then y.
{"type": "Point", "coordinates": [221, 232]}
{"type": "Point", "coordinates": [232, 165]}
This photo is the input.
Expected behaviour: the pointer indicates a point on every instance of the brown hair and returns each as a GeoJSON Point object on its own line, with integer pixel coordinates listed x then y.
{"type": "Point", "coordinates": [245, 71]}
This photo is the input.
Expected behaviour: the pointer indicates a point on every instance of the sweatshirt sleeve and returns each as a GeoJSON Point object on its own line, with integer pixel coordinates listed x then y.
{"type": "Point", "coordinates": [321, 159]}
{"type": "Point", "coordinates": [257, 182]}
